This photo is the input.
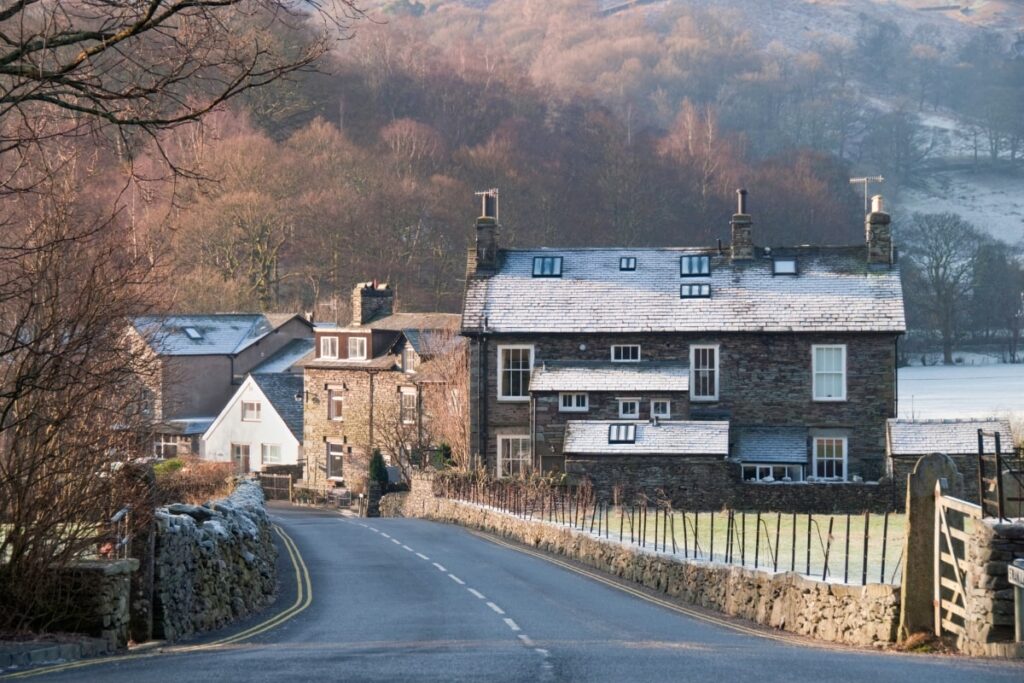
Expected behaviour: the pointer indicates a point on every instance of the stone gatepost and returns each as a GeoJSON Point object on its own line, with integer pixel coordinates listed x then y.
{"type": "Point", "coordinates": [373, 496]}
{"type": "Point", "coordinates": [917, 613]}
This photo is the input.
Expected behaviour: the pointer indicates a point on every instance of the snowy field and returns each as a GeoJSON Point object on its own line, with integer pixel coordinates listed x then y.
{"type": "Point", "coordinates": [960, 391]}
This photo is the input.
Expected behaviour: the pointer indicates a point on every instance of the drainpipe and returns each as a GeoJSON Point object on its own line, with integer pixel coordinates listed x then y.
{"type": "Point", "coordinates": [483, 390]}
{"type": "Point", "coordinates": [371, 414]}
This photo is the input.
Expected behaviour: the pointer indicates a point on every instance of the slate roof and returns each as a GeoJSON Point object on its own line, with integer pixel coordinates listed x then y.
{"type": "Point", "coordinates": [186, 426]}
{"type": "Point", "coordinates": [590, 437]}
{"type": "Point", "coordinates": [281, 390]}
{"type": "Point", "coordinates": [387, 362]}
{"type": "Point", "coordinates": [219, 333]}
{"type": "Point", "coordinates": [608, 376]}
{"type": "Point", "coordinates": [285, 358]}
{"type": "Point", "coordinates": [416, 321]}
{"type": "Point", "coordinates": [835, 291]}
{"type": "Point", "coordinates": [953, 437]}
{"type": "Point", "coordinates": [771, 444]}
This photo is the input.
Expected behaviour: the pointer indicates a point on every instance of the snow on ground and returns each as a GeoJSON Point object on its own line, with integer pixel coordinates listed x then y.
{"type": "Point", "coordinates": [961, 391]}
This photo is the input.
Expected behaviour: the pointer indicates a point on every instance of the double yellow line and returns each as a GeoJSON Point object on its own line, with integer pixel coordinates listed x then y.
{"type": "Point", "coordinates": [303, 598]}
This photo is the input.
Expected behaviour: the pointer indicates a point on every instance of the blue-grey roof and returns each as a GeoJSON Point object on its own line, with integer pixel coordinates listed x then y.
{"type": "Point", "coordinates": [187, 426]}
{"type": "Point", "coordinates": [214, 334]}
{"type": "Point", "coordinates": [281, 389]}
{"type": "Point", "coordinates": [609, 376]}
{"type": "Point", "coordinates": [590, 437]}
{"type": "Point", "coordinates": [953, 437]}
{"type": "Point", "coordinates": [834, 291]}
{"type": "Point", "coordinates": [285, 358]}
{"type": "Point", "coordinates": [771, 444]}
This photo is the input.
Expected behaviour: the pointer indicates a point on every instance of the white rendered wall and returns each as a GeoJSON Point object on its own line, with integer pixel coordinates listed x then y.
{"type": "Point", "coordinates": [229, 428]}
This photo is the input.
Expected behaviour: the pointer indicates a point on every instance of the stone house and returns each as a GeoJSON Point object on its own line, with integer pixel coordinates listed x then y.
{"type": "Point", "coordinates": [790, 351]}
{"type": "Point", "coordinates": [363, 388]}
{"type": "Point", "coordinates": [202, 359]}
{"type": "Point", "coordinates": [907, 440]}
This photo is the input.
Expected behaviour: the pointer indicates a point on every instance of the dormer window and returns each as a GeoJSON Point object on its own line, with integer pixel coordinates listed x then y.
{"type": "Point", "coordinates": [193, 334]}
{"type": "Point", "coordinates": [694, 266]}
{"type": "Point", "coordinates": [357, 348]}
{"type": "Point", "coordinates": [784, 265]}
{"type": "Point", "coordinates": [627, 263]}
{"type": "Point", "coordinates": [329, 347]}
{"type": "Point", "coordinates": [547, 266]}
{"type": "Point", "coordinates": [694, 291]}
{"type": "Point", "coordinates": [622, 433]}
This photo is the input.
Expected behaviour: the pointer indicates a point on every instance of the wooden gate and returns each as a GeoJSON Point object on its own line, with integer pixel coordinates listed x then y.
{"type": "Point", "coordinates": [276, 486]}
{"type": "Point", "coordinates": [953, 521]}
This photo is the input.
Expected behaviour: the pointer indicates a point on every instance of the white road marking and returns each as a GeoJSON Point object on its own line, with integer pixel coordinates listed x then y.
{"type": "Point", "coordinates": [511, 624]}
{"type": "Point", "coordinates": [440, 567]}
{"type": "Point", "coordinates": [364, 526]}
{"type": "Point", "coordinates": [396, 541]}
{"type": "Point", "coordinates": [456, 579]}
{"type": "Point", "coordinates": [408, 548]}
{"type": "Point", "coordinates": [373, 529]}
{"type": "Point", "coordinates": [527, 641]}
{"type": "Point", "coordinates": [384, 535]}
{"type": "Point", "coordinates": [422, 556]}
{"type": "Point", "coordinates": [476, 593]}
{"type": "Point", "coordinates": [496, 608]}
{"type": "Point", "coordinates": [542, 651]}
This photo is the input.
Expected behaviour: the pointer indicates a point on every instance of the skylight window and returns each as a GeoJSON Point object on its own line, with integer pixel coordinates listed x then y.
{"type": "Point", "coordinates": [627, 263]}
{"type": "Point", "coordinates": [785, 265]}
{"type": "Point", "coordinates": [193, 334]}
{"type": "Point", "coordinates": [621, 433]}
{"type": "Point", "coordinates": [694, 266]}
{"type": "Point", "coordinates": [547, 266]}
{"type": "Point", "coordinates": [694, 291]}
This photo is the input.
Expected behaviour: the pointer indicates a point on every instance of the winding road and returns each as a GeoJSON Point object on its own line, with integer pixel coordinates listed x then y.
{"type": "Point", "coordinates": [403, 599]}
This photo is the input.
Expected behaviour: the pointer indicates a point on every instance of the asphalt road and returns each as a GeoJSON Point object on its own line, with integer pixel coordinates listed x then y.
{"type": "Point", "coordinates": [397, 599]}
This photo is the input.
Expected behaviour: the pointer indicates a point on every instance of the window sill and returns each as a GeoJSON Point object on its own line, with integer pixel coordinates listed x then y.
{"type": "Point", "coordinates": [574, 410]}
{"type": "Point", "coordinates": [830, 400]}
{"type": "Point", "coordinates": [704, 399]}
{"type": "Point", "coordinates": [513, 399]}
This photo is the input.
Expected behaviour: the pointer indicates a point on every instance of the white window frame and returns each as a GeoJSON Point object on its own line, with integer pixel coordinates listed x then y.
{"type": "Point", "coordinates": [266, 448]}
{"type": "Point", "coordinates": [574, 406]}
{"type": "Point", "coordinates": [694, 348]}
{"type": "Point", "coordinates": [402, 393]}
{"type": "Point", "coordinates": [360, 348]}
{"type": "Point", "coordinates": [629, 416]}
{"type": "Point", "coordinates": [815, 372]}
{"type": "Point", "coordinates": [258, 411]}
{"type": "Point", "coordinates": [668, 412]}
{"type": "Point", "coordinates": [525, 461]}
{"type": "Point", "coordinates": [335, 396]}
{"type": "Point", "coordinates": [622, 433]}
{"type": "Point", "coordinates": [162, 443]}
{"type": "Point", "coordinates": [506, 398]}
{"type": "Point", "coordinates": [338, 450]}
{"type": "Point", "coordinates": [626, 346]}
{"type": "Point", "coordinates": [765, 472]}
{"type": "Point", "coordinates": [329, 347]}
{"type": "Point", "coordinates": [845, 459]}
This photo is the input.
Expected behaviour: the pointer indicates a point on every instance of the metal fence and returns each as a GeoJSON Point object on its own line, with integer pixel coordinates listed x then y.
{"type": "Point", "coordinates": [847, 548]}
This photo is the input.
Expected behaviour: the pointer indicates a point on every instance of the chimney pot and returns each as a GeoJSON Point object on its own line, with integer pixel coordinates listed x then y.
{"type": "Point", "coordinates": [877, 204]}
{"type": "Point", "coordinates": [741, 200]}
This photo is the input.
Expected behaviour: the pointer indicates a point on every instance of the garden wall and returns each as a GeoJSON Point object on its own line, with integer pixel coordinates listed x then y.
{"type": "Point", "coordinates": [95, 593]}
{"type": "Point", "coordinates": [213, 563]}
{"type": "Point", "coordinates": [990, 619]}
{"type": "Point", "coordinates": [855, 615]}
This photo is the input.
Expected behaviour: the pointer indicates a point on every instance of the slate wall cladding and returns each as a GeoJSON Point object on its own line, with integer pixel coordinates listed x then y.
{"type": "Point", "coordinates": [765, 379]}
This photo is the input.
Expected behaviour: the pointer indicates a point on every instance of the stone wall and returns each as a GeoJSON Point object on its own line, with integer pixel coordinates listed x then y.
{"type": "Point", "coordinates": [990, 618]}
{"type": "Point", "coordinates": [966, 465]}
{"type": "Point", "coordinates": [213, 563]}
{"type": "Point", "coordinates": [97, 593]}
{"type": "Point", "coordinates": [855, 615]}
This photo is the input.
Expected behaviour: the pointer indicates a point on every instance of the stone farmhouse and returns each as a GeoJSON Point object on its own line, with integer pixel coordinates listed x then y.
{"type": "Point", "coordinates": [709, 371]}
{"type": "Point", "coordinates": [364, 386]}
{"type": "Point", "coordinates": [203, 359]}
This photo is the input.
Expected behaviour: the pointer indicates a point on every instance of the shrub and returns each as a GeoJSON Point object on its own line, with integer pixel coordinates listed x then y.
{"type": "Point", "coordinates": [192, 480]}
{"type": "Point", "coordinates": [378, 470]}
{"type": "Point", "coordinates": [166, 467]}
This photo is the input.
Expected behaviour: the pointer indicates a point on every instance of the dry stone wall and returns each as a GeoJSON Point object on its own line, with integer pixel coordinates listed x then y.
{"type": "Point", "coordinates": [214, 563]}
{"type": "Point", "coordinates": [854, 615]}
{"type": "Point", "coordinates": [97, 592]}
{"type": "Point", "coordinates": [990, 619]}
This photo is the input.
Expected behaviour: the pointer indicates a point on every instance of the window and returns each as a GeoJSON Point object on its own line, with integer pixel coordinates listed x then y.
{"type": "Point", "coordinates": [661, 409]}
{"type": "Point", "coordinates": [240, 456]}
{"type": "Point", "coordinates": [251, 411]}
{"type": "Point", "coordinates": [629, 408]}
{"type": "Point", "coordinates": [829, 367]}
{"type": "Point", "coordinates": [335, 405]}
{"type": "Point", "coordinates": [770, 473]}
{"type": "Point", "coordinates": [830, 458]}
{"type": "Point", "coordinates": [704, 373]}
{"type": "Point", "coordinates": [514, 366]}
{"type": "Point", "coordinates": [408, 364]}
{"type": "Point", "coordinates": [573, 403]}
{"type": "Point", "coordinates": [513, 455]}
{"type": "Point", "coordinates": [622, 433]}
{"type": "Point", "coordinates": [627, 263]}
{"type": "Point", "coordinates": [270, 453]}
{"type": "Point", "coordinates": [626, 353]}
{"type": "Point", "coordinates": [408, 406]}
{"type": "Point", "coordinates": [328, 347]}
{"type": "Point", "coordinates": [193, 334]}
{"type": "Point", "coordinates": [547, 266]}
{"type": "Point", "coordinates": [357, 348]}
{"type": "Point", "coordinates": [784, 266]}
{"type": "Point", "coordinates": [165, 446]}
{"type": "Point", "coordinates": [694, 266]}
{"type": "Point", "coordinates": [335, 460]}
{"type": "Point", "coordinates": [694, 291]}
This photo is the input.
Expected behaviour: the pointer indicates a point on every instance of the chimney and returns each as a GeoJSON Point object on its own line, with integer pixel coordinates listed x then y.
{"type": "Point", "coordinates": [370, 301]}
{"type": "Point", "coordinates": [879, 233]}
{"type": "Point", "coordinates": [742, 232]}
{"type": "Point", "coordinates": [485, 256]}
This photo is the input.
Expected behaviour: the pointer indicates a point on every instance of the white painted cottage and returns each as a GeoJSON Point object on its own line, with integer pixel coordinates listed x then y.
{"type": "Point", "coordinates": [261, 425]}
